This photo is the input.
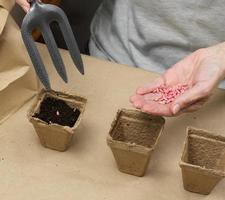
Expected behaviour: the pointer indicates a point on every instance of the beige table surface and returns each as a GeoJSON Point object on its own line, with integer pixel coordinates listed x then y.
{"type": "Point", "coordinates": [87, 171]}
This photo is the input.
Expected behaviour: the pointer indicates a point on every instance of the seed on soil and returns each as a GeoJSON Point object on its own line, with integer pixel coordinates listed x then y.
{"type": "Point", "coordinates": [57, 111]}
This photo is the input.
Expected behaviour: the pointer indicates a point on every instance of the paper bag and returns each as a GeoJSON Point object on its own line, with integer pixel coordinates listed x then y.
{"type": "Point", "coordinates": [18, 82]}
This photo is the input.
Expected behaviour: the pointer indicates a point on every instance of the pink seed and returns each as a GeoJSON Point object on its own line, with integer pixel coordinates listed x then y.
{"type": "Point", "coordinates": [169, 93]}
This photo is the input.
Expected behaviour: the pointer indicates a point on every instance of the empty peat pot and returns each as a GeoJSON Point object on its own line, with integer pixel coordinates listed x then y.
{"type": "Point", "coordinates": [132, 139]}
{"type": "Point", "coordinates": [203, 161]}
{"type": "Point", "coordinates": [55, 117]}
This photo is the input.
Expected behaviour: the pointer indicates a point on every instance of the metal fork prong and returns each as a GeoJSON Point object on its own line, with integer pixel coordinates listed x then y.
{"type": "Point", "coordinates": [54, 52]}
{"type": "Point", "coordinates": [71, 42]}
{"type": "Point", "coordinates": [35, 57]}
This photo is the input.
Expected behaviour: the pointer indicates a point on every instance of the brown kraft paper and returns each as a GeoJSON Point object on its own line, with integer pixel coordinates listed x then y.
{"type": "Point", "coordinates": [87, 170]}
{"type": "Point", "coordinates": [18, 81]}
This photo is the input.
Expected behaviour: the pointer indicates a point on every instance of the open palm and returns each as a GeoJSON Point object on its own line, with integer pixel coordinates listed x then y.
{"type": "Point", "coordinates": [201, 71]}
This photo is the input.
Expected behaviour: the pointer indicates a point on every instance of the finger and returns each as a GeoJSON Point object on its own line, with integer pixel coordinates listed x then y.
{"type": "Point", "coordinates": [150, 87]}
{"type": "Point", "coordinates": [26, 8]}
{"type": "Point", "coordinates": [155, 108]}
{"type": "Point", "coordinates": [152, 96]}
{"type": "Point", "coordinates": [24, 4]}
{"type": "Point", "coordinates": [147, 105]}
{"type": "Point", "coordinates": [189, 97]}
{"type": "Point", "coordinates": [137, 101]}
{"type": "Point", "coordinates": [146, 97]}
{"type": "Point", "coordinates": [134, 98]}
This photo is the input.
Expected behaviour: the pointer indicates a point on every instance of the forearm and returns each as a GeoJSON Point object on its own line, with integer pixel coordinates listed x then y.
{"type": "Point", "coordinates": [213, 58]}
{"type": "Point", "coordinates": [220, 60]}
{"type": "Point", "coordinates": [223, 56]}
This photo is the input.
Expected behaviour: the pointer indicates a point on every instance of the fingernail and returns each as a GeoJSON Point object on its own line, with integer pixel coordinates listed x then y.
{"type": "Point", "coordinates": [137, 104]}
{"type": "Point", "coordinates": [139, 91]}
{"type": "Point", "coordinates": [132, 98]}
{"type": "Point", "coordinates": [176, 109]}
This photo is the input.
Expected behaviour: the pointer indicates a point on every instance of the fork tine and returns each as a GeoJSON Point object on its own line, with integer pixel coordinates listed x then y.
{"type": "Point", "coordinates": [35, 57]}
{"type": "Point", "coordinates": [70, 41]}
{"type": "Point", "coordinates": [54, 52]}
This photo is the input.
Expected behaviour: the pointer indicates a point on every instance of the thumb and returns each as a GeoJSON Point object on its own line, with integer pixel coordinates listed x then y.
{"type": "Point", "coordinates": [26, 8]}
{"type": "Point", "coordinates": [189, 97]}
{"type": "Point", "coordinates": [24, 4]}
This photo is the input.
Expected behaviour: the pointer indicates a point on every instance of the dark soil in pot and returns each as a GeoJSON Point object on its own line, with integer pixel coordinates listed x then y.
{"type": "Point", "coordinates": [57, 111]}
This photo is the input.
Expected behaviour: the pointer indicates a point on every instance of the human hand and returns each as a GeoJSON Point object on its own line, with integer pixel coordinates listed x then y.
{"type": "Point", "coordinates": [201, 72]}
{"type": "Point", "coordinates": [24, 4]}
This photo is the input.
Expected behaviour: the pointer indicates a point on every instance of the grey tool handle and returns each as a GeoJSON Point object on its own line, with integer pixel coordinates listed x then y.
{"type": "Point", "coordinates": [41, 16]}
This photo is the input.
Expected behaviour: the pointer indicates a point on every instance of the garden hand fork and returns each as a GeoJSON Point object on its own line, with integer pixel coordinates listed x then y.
{"type": "Point", "coordinates": [40, 16]}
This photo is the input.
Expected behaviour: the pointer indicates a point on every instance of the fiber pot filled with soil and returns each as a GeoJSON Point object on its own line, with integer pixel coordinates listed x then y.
{"type": "Point", "coordinates": [203, 161]}
{"type": "Point", "coordinates": [55, 117]}
{"type": "Point", "coordinates": [132, 139]}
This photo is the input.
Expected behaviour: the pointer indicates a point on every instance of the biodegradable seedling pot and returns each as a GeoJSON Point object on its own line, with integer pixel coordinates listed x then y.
{"type": "Point", "coordinates": [64, 110]}
{"type": "Point", "coordinates": [132, 139]}
{"type": "Point", "coordinates": [203, 161]}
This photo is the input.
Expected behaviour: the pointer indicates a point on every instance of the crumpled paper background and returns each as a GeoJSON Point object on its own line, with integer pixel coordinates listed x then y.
{"type": "Point", "coordinates": [18, 81]}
